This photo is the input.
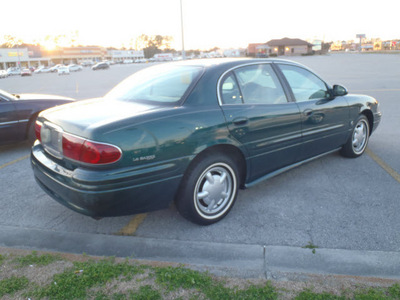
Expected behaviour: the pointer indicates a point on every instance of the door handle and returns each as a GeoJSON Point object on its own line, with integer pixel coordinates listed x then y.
{"type": "Point", "coordinates": [308, 112]}
{"type": "Point", "coordinates": [240, 121]}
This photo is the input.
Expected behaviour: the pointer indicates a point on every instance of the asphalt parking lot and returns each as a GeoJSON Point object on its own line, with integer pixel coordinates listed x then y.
{"type": "Point", "coordinates": [334, 203]}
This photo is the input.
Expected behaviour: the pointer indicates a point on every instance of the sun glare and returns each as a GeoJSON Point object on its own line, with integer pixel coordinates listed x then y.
{"type": "Point", "coordinates": [49, 45]}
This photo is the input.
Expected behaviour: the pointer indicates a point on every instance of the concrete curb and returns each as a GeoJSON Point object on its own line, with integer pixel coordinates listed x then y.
{"type": "Point", "coordinates": [237, 260]}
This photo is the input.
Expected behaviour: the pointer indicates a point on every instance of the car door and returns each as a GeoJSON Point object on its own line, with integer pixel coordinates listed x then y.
{"type": "Point", "coordinates": [325, 120]}
{"type": "Point", "coordinates": [259, 115]}
{"type": "Point", "coordinates": [8, 120]}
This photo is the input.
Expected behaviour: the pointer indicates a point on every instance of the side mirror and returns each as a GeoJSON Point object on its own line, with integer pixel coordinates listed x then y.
{"type": "Point", "coordinates": [339, 90]}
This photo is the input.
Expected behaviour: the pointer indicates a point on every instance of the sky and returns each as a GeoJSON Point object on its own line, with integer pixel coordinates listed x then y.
{"type": "Point", "coordinates": [206, 23]}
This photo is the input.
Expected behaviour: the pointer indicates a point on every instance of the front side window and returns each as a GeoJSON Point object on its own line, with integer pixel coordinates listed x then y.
{"type": "Point", "coordinates": [162, 84]}
{"type": "Point", "coordinates": [305, 85]}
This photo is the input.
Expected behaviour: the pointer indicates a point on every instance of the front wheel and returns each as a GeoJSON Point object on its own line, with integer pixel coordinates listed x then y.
{"type": "Point", "coordinates": [208, 190]}
{"type": "Point", "coordinates": [358, 141]}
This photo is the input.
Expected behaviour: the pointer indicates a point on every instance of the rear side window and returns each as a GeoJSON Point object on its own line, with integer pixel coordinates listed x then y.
{"type": "Point", "coordinates": [253, 84]}
{"type": "Point", "coordinates": [230, 91]}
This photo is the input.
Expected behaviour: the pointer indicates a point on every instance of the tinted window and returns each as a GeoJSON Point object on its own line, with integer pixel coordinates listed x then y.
{"type": "Point", "coordinates": [304, 84]}
{"type": "Point", "coordinates": [163, 84]}
{"type": "Point", "coordinates": [230, 91]}
{"type": "Point", "coordinates": [260, 85]}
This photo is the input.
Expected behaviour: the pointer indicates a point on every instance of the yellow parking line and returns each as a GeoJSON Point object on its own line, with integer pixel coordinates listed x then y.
{"type": "Point", "coordinates": [384, 165]}
{"type": "Point", "coordinates": [133, 225]}
{"type": "Point", "coordinates": [14, 161]}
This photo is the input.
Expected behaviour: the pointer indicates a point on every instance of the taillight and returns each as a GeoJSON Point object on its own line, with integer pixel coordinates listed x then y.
{"type": "Point", "coordinates": [38, 127]}
{"type": "Point", "coordinates": [89, 152]}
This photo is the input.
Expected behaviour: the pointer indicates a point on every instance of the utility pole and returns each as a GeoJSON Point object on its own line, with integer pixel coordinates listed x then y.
{"type": "Point", "coordinates": [183, 42]}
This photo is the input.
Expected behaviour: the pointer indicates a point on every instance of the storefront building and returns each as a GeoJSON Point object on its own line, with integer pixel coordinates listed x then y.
{"type": "Point", "coordinates": [122, 55]}
{"type": "Point", "coordinates": [20, 57]}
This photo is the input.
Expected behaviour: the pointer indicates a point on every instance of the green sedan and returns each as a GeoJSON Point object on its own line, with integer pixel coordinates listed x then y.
{"type": "Point", "coordinates": [194, 132]}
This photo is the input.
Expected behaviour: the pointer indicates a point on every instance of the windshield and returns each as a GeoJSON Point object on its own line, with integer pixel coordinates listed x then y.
{"type": "Point", "coordinates": [163, 84]}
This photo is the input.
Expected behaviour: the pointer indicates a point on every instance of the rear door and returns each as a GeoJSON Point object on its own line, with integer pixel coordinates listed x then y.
{"type": "Point", "coordinates": [259, 115]}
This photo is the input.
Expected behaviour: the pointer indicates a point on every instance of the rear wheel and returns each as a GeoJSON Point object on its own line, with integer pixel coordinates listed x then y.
{"type": "Point", "coordinates": [358, 141]}
{"type": "Point", "coordinates": [209, 189]}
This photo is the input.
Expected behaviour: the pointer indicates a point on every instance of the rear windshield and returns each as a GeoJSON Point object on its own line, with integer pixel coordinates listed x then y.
{"type": "Point", "coordinates": [164, 83]}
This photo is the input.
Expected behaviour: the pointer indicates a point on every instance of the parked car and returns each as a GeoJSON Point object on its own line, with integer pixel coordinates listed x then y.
{"type": "Point", "coordinates": [18, 114]}
{"type": "Point", "coordinates": [3, 74]}
{"type": "Point", "coordinates": [194, 132]}
{"type": "Point", "coordinates": [54, 69]}
{"type": "Point", "coordinates": [87, 63]}
{"type": "Point", "coordinates": [63, 70]}
{"type": "Point", "coordinates": [101, 66]}
{"type": "Point", "coordinates": [75, 68]}
{"type": "Point", "coordinates": [42, 69]}
{"type": "Point", "coordinates": [26, 72]}
{"type": "Point", "coordinates": [13, 71]}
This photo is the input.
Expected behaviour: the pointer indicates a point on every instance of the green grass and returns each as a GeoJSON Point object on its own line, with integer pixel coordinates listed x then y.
{"type": "Point", "coordinates": [74, 283]}
{"type": "Point", "coordinates": [35, 259]}
{"type": "Point", "coordinates": [310, 245]}
{"type": "Point", "coordinates": [109, 279]}
{"type": "Point", "coordinates": [12, 285]}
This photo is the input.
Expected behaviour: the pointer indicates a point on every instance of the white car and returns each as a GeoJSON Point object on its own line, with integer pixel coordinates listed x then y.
{"type": "Point", "coordinates": [42, 69]}
{"type": "Point", "coordinates": [75, 68]}
{"type": "Point", "coordinates": [13, 71]}
{"type": "Point", "coordinates": [55, 68]}
{"type": "Point", "coordinates": [63, 70]}
{"type": "Point", "coordinates": [3, 74]}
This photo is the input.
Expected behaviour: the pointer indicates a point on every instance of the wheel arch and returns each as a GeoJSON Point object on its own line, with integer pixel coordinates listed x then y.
{"type": "Point", "coordinates": [32, 119]}
{"type": "Point", "coordinates": [225, 149]}
{"type": "Point", "coordinates": [370, 118]}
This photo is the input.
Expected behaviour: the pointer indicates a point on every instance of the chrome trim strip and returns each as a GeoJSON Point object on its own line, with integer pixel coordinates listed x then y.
{"type": "Point", "coordinates": [8, 123]}
{"type": "Point", "coordinates": [306, 133]}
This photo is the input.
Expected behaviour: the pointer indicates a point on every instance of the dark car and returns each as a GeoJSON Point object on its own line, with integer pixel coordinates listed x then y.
{"type": "Point", "coordinates": [101, 66]}
{"type": "Point", "coordinates": [194, 132]}
{"type": "Point", "coordinates": [18, 114]}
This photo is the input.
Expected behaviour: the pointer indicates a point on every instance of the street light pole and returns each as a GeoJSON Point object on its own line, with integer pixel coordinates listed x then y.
{"type": "Point", "coordinates": [183, 42]}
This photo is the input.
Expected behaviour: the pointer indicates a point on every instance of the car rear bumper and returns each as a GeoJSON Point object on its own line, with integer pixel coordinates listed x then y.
{"type": "Point", "coordinates": [105, 193]}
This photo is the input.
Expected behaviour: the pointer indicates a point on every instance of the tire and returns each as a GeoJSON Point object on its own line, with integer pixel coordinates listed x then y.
{"type": "Point", "coordinates": [209, 189]}
{"type": "Point", "coordinates": [358, 140]}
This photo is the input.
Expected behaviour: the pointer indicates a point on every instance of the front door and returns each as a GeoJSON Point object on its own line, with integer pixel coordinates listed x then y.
{"type": "Point", "coordinates": [325, 121]}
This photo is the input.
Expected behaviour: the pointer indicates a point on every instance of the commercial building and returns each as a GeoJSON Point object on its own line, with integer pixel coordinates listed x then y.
{"type": "Point", "coordinates": [287, 46]}
{"type": "Point", "coordinates": [121, 55]}
{"type": "Point", "coordinates": [20, 57]}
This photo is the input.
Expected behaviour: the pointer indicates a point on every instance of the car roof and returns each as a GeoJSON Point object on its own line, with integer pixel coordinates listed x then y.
{"type": "Point", "coordinates": [231, 62]}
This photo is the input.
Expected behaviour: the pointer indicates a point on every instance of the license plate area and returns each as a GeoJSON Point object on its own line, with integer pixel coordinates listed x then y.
{"type": "Point", "coordinates": [51, 136]}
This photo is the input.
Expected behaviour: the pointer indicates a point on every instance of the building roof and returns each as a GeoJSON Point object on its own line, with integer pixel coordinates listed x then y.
{"type": "Point", "coordinates": [287, 42]}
